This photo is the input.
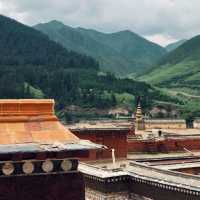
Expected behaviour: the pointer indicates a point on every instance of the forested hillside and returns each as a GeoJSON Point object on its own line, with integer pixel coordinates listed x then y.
{"type": "Point", "coordinates": [121, 53]}
{"type": "Point", "coordinates": [29, 58]}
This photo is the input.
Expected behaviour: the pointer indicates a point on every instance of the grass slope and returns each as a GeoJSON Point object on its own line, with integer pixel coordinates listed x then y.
{"type": "Point", "coordinates": [179, 72]}
{"type": "Point", "coordinates": [180, 68]}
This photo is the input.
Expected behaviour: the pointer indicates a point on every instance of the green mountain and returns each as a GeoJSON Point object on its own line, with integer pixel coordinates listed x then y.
{"type": "Point", "coordinates": [175, 45]}
{"type": "Point", "coordinates": [179, 73]}
{"type": "Point", "coordinates": [33, 66]}
{"type": "Point", "coordinates": [178, 68]}
{"type": "Point", "coordinates": [121, 53]}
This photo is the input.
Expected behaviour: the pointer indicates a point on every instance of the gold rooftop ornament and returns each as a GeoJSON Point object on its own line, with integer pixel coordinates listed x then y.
{"type": "Point", "coordinates": [66, 165]}
{"type": "Point", "coordinates": [47, 166]}
{"type": "Point", "coordinates": [139, 120]}
{"type": "Point", "coordinates": [8, 168]}
{"type": "Point", "coordinates": [28, 167]}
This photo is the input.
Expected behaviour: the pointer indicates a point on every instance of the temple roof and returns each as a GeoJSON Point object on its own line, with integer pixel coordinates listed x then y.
{"type": "Point", "coordinates": [32, 124]}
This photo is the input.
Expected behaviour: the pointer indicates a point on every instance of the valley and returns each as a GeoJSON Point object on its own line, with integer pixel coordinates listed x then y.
{"type": "Point", "coordinates": [68, 64]}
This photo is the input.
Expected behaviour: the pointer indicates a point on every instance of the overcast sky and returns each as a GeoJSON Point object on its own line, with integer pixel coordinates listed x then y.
{"type": "Point", "coordinates": [162, 21]}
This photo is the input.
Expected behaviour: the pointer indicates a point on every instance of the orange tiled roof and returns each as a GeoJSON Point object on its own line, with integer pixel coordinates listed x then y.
{"type": "Point", "coordinates": [31, 121]}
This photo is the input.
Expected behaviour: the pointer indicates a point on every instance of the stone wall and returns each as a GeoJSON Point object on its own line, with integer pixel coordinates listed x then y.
{"type": "Point", "coordinates": [96, 195]}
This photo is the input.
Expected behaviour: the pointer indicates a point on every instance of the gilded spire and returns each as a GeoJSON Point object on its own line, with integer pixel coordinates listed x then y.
{"type": "Point", "coordinates": [139, 120]}
{"type": "Point", "coordinates": [138, 113]}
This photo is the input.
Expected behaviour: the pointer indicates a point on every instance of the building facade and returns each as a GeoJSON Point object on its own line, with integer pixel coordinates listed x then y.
{"type": "Point", "coordinates": [112, 134]}
{"type": "Point", "coordinates": [38, 155]}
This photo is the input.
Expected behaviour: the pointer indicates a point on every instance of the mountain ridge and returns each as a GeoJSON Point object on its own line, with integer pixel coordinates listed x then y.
{"type": "Point", "coordinates": [121, 52]}
{"type": "Point", "coordinates": [172, 46]}
{"type": "Point", "coordinates": [179, 68]}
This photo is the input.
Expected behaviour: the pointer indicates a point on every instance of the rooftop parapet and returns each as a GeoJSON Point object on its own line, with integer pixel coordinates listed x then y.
{"type": "Point", "coordinates": [26, 107]}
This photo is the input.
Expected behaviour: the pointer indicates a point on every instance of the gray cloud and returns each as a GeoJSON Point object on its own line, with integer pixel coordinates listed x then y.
{"type": "Point", "coordinates": [159, 20]}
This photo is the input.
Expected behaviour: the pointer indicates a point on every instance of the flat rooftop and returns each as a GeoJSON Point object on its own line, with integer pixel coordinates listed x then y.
{"type": "Point", "coordinates": [101, 125]}
{"type": "Point", "coordinates": [165, 121]}
{"type": "Point", "coordinates": [153, 156]}
{"type": "Point", "coordinates": [187, 131]}
{"type": "Point", "coordinates": [144, 172]}
{"type": "Point", "coordinates": [157, 171]}
{"type": "Point", "coordinates": [172, 133]}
